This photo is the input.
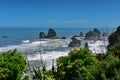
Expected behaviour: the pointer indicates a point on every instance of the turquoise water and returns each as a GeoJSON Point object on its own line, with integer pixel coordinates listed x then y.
{"type": "Point", "coordinates": [16, 35]}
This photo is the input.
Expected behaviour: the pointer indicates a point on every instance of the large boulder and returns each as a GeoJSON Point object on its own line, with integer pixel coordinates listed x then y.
{"type": "Point", "coordinates": [42, 35]}
{"type": "Point", "coordinates": [51, 33]}
{"type": "Point", "coordinates": [63, 37]}
{"type": "Point", "coordinates": [81, 34]}
{"type": "Point", "coordinates": [105, 34]}
{"type": "Point", "coordinates": [93, 35]}
{"type": "Point", "coordinates": [74, 43]}
{"type": "Point", "coordinates": [97, 32]}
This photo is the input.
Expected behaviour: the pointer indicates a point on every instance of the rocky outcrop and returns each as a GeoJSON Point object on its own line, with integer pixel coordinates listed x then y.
{"type": "Point", "coordinates": [86, 45]}
{"type": "Point", "coordinates": [105, 34]}
{"type": "Point", "coordinates": [51, 33]}
{"type": "Point", "coordinates": [63, 37]}
{"type": "Point", "coordinates": [42, 35]}
{"type": "Point", "coordinates": [114, 37]}
{"type": "Point", "coordinates": [5, 36]}
{"type": "Point", "coordinates": [93, 35]}
{"type": "Point", "coordinates": [75, 42]}
{"type": "Point", "coordinates": [81, 34]}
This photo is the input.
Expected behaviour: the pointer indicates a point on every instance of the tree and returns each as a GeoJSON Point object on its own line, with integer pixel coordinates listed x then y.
{"type": "Point", "coordinates": [107, 69]}
{"type": "Point", "coordinates": [114, 50]}
{"type": "Point", "coordinates": [12, 64]}
{"type": "Point", "coordinates": [75, 65]}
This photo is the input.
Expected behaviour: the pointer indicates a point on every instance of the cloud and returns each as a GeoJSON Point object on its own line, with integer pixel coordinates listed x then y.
{"type": "Point", "coordinates": [53, 21]}
{"type": "Point", "coordinates": [76, 21]}
{"type": "Point", "coordinates": [68, 22]}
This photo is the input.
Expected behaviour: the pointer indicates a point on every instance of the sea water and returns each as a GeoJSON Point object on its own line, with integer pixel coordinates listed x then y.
{"type": "Point", "coordinates": [26, 40]}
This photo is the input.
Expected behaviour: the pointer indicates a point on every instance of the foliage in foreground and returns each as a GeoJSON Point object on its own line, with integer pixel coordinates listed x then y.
{"type": "Point", "coordinates": [12, 64]}
{"type": "Point", "coordinates": [83, 65]}
{"type": "Point", "coordinates": [75, 65]}
{"type": "Point", "coordinates": [78, 65]}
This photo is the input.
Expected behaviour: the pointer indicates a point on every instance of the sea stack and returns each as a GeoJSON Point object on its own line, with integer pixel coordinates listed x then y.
{"type": "Point", "coordinates": [81, 34]}
{"type": "Point", "coordinates": [75, 42]}
{"type": "Point", "coordinates": [93, 35]}
{"type": "Point", "coordinates": [51, 34]}
{"type": "Point", "coordinates": [42, 35]}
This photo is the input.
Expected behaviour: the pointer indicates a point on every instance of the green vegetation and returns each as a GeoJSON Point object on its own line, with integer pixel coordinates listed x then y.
{"type": "Point", "coordinates": [76, 65]}
{"type": "Point", "coordinates": [114, 38]}
{"type": "Point", "coordinates": [114, 43]}
{"type": "Point", "coordinates": [83, 65]}
{"type": "Point", "coordinates": [12, 64]}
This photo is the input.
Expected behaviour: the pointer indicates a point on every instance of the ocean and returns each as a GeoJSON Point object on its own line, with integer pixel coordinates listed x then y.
{"type": "Point", "coordinates": [17, 35]}
{"type": "Point", "coordinates": [27, 40]}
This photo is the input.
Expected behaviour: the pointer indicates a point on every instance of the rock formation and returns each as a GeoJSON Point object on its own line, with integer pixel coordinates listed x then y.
{"type": "Point", "coordinates": [81, 34]}
{"type": "Point", "coordinates": [42, 35]}
{"type": "Point", "coordinates": [93, 35]}
{"type": "Point", "coordinates": [75, 42]}
{"type": "Point", "coordinates": [114, 38]}
{"type": "Point", "coordinates": [63, 37]}
{"type": "Point", "coordinates": [105, 34]}
{"type": "Point", "coordinates": [51, 33]}
{"type": "Point", "coordinates": [86, 46]}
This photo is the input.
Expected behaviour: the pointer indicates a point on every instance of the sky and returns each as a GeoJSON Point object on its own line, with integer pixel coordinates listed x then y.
{"type": "Point", "coordinates": [59, 13]}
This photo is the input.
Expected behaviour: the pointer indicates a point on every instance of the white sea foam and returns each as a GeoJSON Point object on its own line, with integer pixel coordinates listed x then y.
{"type": "Point", "coordinates": [23, 47]}
{"type": "Point", "coordinates": [25, 41]}
{"type": "Point", "coordinates": [48, 57]}
{"type": "Point", "coordinates": [48, 43]}
{"type": "Point", "coordinates": [98, 46]}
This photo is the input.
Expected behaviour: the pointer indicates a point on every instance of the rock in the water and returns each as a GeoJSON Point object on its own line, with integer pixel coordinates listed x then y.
{"type": "Point", "coordinates": [5, 36]}
{"type": "Point", "coordinates": [75, 37]}
{"type": "Point", "coordinates": [81, 34]}
{"type": "Point", "coordinates": [63, 38]}
{"type": "Point", "coordinates": [93, 35]}
{"type": "Point", "coordinates": [51, 33]}
{"type": "Point", "coordinates": [105, 34]}
{"type": "Point", "coordinates": [74, 43]}
{"type": "Point", "coordinates": [42, 35]}
{"type": "Point", "coordinates": [86, 46]}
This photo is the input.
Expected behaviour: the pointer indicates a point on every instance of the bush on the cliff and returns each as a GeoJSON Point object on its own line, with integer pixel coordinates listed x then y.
{"type": "Point", "coordinates": [12, 64]}
{"type": "Point", "coordinates": [114, 38]}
